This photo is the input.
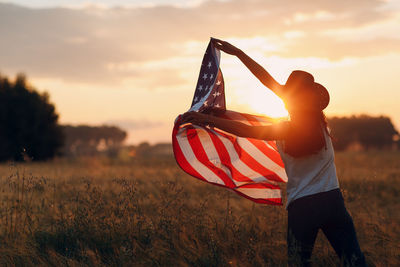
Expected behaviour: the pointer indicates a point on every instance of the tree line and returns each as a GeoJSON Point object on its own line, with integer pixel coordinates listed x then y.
{"type": "Point", "coordinates": [367, 131]}
{"type": "Point", "coordinates": [89, 140]}
{"type": "Point", "coordinates": [29, 128]}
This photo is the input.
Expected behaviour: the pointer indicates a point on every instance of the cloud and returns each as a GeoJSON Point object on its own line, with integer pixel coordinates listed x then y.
{"type": "Point", "coordinates": [82, 44]}
{"type": "Point", "coordinates": [333, 49]}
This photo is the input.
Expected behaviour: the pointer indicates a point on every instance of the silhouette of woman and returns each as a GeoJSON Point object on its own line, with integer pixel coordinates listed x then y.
{"type": "Point", "coordinates": [314, 200]}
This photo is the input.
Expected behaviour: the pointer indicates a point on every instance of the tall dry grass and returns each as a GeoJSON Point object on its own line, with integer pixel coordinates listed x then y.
{"type": "Point", "coordinates": [147, 212]}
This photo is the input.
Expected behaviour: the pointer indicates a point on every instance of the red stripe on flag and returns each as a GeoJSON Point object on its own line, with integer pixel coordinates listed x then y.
{"type": "Point", "coordinates": [180, 158]}
{"type": "Point", "coordinates": [260, 185]}
{"type": "Point", "coordinates": [260, 144]}
{"type": "Point", "coordinates": [273, 144]}
{"type": "Point", "coordinates": [201, 155]}
{"type": "Point", "coordinates": [249, 160]}
{"type": "Point", "coordinates": [267, 200]}
{"type": "Point", "coordinates": [267, 151]}
{"type": "Point", "coordinates": [225, 158]}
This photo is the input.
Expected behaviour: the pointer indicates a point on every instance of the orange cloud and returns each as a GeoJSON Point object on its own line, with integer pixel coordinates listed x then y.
{"type": "Point", "coordinates": [80, 44]}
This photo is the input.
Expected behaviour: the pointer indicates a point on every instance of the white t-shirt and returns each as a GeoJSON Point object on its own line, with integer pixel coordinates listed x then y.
{"type": "Point", "coordinates": [310, 174]}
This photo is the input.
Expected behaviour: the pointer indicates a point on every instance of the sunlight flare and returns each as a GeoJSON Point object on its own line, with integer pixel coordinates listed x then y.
{"type": "Point", "coordinates": [268, 104]}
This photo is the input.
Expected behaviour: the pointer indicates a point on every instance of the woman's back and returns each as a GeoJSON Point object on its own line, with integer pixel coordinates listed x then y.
{"type": "Point", "coordinates": [309, 174]}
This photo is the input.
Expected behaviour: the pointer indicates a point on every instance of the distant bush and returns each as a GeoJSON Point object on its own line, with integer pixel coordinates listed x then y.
{"type": "Point", "coordinates": [365, 130]}
{"type": "Point", "coordinates": [84, 140]}
{"type": "Point", "coordinates": [28, 122]}
{"type": "Point", "coordinates": [146, 150]}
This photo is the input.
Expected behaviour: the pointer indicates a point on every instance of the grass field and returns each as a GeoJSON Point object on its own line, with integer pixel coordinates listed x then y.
{"type": "Point", "coordinates": [147, 212]}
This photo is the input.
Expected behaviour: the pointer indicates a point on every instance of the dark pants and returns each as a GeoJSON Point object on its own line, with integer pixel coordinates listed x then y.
{"type": "Point", "coordinates": [325, 211]}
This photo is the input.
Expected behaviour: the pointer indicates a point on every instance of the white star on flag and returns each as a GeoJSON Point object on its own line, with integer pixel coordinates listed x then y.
{"type": "Point", "coordinates": [205, 76]}
{"type": "Point", "coordinates": [216, 94]}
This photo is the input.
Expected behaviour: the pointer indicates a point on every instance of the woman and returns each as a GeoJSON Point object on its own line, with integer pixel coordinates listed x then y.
{"type": "Point", "coordinates": [314, 200]}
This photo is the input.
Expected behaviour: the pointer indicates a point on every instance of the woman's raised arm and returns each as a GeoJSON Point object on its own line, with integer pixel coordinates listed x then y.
{"type": "Point", "coordinates": [253, 66]}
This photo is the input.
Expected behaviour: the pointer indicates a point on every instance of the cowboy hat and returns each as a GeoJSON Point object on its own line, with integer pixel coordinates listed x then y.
{"type": "Point", "coordinates": [301, 92]}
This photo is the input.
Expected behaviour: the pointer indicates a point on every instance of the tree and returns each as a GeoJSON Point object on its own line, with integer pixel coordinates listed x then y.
{"type": "Point", "coordinates": [28, 122]}
{"type": "Point", "coordinates": [89, 140]}
{"type": "Point", "coordinates": [368, 131]}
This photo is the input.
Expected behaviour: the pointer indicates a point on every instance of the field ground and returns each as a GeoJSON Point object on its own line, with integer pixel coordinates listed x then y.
{"type": "Point", "coordinates": [147, 212]}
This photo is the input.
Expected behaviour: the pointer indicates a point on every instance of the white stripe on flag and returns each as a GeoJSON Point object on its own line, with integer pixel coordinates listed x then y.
{"type": "Point", "coordinates": [271, 147]}
{"type": "Point", "coordinates": [238, 164]}
{"type": "Point", "coordinates": [210, 150]}
{"type": "Point", "coordinates": [260, 193]}
{"type": "Point", "coordinates": [187, 151]}
{"type": "Point", "coordinates": [252, 150]}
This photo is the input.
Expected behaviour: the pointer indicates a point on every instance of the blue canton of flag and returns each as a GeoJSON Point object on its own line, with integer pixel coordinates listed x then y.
{"type": "Point", "coordinates": [209, 93]}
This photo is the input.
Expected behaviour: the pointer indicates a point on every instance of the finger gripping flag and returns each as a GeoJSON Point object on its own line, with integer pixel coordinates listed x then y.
{"type": "Point", "coordinates": [250, 167]}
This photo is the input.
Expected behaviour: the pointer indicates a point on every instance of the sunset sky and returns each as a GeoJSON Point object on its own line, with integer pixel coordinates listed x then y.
{"type": "Point", "coordinates": [135, 63]}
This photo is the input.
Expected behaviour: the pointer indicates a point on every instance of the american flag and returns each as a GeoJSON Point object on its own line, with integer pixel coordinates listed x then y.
{"type": "Point", "coordinates": [250, 167]}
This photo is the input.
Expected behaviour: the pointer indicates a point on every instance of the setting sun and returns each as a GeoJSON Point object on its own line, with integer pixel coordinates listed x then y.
{"type": "Point", "coordinates": [246, 94]}
{"type": "Point", "coordinates": [269, 104]}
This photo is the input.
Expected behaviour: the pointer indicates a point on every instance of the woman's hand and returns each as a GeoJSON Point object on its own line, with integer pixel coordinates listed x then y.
{"type": "Point", "coordinates": [225, 46]}
{"type": "Point", "coordinates": [253, 66]}
{"type": "Point", "coordinates": [195, 118]}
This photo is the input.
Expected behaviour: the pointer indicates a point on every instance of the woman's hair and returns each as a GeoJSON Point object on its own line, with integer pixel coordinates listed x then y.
{"type": "Point", "coordinates": [307, 135]}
